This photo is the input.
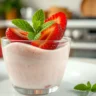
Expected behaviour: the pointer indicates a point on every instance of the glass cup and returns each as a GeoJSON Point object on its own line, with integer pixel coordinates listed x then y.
{"type": "Point", "coordinates": [33, 70]}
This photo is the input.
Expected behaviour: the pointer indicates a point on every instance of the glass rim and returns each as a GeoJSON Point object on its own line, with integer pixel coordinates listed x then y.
{"type": "Point", "coordinates": [64, 39]}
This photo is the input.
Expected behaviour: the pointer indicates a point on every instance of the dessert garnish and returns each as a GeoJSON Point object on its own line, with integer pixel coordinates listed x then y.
{"type": "Point", "coordinates": [86, 87]}
{"type": "Point", "coordinates": [39, 30]}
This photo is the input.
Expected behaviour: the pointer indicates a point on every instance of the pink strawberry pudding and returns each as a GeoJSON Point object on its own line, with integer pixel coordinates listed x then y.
{"type": "Point", "coordinates": [34, 68]}
{"type": "Point", "coordinates": [36, 56]}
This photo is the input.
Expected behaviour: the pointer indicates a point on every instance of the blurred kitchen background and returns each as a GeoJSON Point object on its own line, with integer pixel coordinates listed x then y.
{"type": "Point", "coordinates": [81, 16]}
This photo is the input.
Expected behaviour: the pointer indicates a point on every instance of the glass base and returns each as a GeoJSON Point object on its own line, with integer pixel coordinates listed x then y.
{"type": "Point", "coordinates": [35, 91]}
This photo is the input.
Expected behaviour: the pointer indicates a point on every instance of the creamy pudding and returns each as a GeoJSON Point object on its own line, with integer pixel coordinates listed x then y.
{"type": "Point", "coordinates": [35, 54]}
{"type": "Point", "coordinates": [35, 68]}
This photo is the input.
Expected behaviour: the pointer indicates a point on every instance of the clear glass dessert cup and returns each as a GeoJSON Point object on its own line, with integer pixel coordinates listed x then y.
{"type": "Point", "coordinates": [33, 70]}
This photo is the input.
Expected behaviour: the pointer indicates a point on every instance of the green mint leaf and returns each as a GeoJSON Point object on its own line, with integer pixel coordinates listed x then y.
{"type": "Point", "coordinates": [89, 85]}
{"type": "Point", "coordinates": [37, 25]}
{"type": "Point", "coordinates": [93, 89]}
{"type": "Point", "coordinates": [81, 87]}
{"type": "Point", "coordinates": [46, 25]}
{"type": "Point", "coordinates": [38, 16]}
{"type": "Point", "coordinates": [22, 24]}
{"type": "Point", "coordinates": [31, 35]}
{"type": "Point", "coordinates": [37, 36]}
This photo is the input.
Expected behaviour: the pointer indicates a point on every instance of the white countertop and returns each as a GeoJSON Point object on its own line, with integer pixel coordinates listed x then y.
{"type": "Point", "coordinates": [85, 60]}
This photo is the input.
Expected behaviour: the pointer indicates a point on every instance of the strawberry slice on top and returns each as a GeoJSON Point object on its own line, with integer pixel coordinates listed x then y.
{"type": "Point", "coordinates": [59, 18]}
{"type": "Point", "coordinates": [16, 34]}
{"type": "Point", "coordinates": [54, 32]}
{"type": "Point", "coordinates": [48, 37]}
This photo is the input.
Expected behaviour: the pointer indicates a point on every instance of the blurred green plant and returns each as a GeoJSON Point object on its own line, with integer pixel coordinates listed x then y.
{"type": "Point", "coordinates": [1, 9]}
{"type": "Point", "coordinates": [7, 5]}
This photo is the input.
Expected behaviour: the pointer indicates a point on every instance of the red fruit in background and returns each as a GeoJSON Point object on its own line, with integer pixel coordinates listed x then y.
{"type": "Point", "coordinates": [49, 36]}
{"type": "Point", "coordinates": [59, 18]}
{"type": "Point", "coordinates": [1, 52]}
{"type": "Point", "coordinates": [16, 34]}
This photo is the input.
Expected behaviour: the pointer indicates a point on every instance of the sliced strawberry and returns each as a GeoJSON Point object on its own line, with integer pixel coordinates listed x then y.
{"type": "Point", "coordinates": [50, 45]}
{"type": "Point", "coordinates": [16, 34]}
{"type": "Point", "coordinates": [49, 36]}
{"type": "Point", "coordinates": [54, 32]}
{"type": "Point", "coordinates": [59, 18]}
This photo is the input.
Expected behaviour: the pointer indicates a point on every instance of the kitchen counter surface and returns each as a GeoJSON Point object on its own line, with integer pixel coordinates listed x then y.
{"type": "Point", "coordinates": [86, 60]}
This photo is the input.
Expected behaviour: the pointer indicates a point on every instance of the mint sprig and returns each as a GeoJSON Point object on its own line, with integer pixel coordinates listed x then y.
{"type": "Point", "coordinates": [37, 36]}
{"type": "Point", "coordinates": [89, 85]}
{"type": "Point", "coordinates": [39, 16]}
{"type": "Point", "coordinates": [31, 35]}
{"type": "Point", "coordinates": [81, 87]}
{"type": "Point", "coordinates": [93, 89]}
{"type": "Point", "coordinates": [22, 24]}
{"type": "Point", "coordinates": [38, 19]}
{"type": "Point", "coordinates": [38, 25]}
{"type": "Point", "coordinates": [46, 25]}
{"type": "Point", "coordinates": [86, 87]}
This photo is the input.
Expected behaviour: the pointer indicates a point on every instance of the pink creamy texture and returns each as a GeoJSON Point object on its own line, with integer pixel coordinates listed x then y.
{"type": "Point", "coordinates": [32, 67]}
